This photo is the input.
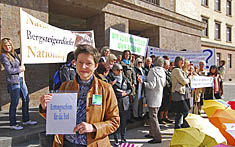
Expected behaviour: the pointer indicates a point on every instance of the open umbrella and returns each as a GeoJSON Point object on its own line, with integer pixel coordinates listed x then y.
{"type": "Point", "coordinates": [220, 118]}
{"type": "Point", "coordinates": [221, 145]}
{"type": "Point", "coordinates": [213, 135]}
{"type": "Point", "coordinates": [187, 137]}
{"type": "Point", "coordinates": [232, 104]}
{"type": "Point", "coordinates": [211, 105]}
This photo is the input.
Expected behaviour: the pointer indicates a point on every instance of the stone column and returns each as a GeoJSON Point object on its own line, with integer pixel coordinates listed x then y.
{"type": "Point", "coordinates": [101, 25]}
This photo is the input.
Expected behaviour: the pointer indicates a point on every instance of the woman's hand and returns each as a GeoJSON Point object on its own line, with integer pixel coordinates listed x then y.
{"type": "Point", "coordinates": [124, 93]}
{"type": "Point", "coordinates": [84, 127]}
{"type": "Point", "coordinates": [44, 100]}
{"type": "Point", "coordinates": [140, 79]}
{"type": "Point", "coordinates": [113, 82]}
{"type": "Point", "coordinates": [22, 68]}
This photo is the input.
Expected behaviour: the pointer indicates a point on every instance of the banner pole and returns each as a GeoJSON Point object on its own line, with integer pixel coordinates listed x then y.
{"type": "Point", "coordinates": [21, 53]}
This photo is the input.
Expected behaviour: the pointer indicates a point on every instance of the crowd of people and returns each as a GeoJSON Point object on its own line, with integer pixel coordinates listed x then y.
{"type": "Point", "coordinates": [132, 87]}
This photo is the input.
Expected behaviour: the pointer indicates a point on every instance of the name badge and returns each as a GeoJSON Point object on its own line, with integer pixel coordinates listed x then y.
{"type": "Point", "coordinates": [96, 99]}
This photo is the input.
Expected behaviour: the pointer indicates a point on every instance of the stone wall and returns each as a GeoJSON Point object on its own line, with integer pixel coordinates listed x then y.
{"type": "Point", "coordinates": [175, 40]}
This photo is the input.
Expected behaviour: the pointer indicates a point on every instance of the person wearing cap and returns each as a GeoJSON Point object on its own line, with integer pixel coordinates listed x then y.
{"type": "Point", "coordinates": [156, 80]}
{"type": "Point", "coordinates": [122, 89]}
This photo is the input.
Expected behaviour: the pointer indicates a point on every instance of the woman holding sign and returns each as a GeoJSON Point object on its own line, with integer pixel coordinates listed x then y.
{"type": "Point", "coordinates": [97, 111]}
{"type": "Point", "coordinates": [15, 85]}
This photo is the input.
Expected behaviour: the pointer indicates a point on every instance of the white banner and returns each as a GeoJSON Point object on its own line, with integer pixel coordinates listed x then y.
{"type": "Point", "coordinates": [208, 55]}
{"type": "Point", "coordinates": [121, 41]}
{"type": "Point", "coordinates": [43, 43]}
{"type": "Point", "coordinates": [201, 82]}
{"type": "Point", "coordinates": [61, 113]}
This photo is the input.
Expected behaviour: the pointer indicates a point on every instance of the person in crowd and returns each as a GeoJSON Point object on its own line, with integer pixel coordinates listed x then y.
{"type": "Point", "coordinates": [156, 80]}
{"type": "Point", "coordinates": [199, 92]}
{"type": "Point", "coordinates": [68, 70]}
{"type": "Point", "coordinates": [148, 64]}
{"type": "Point", "coordinates": [186, 66]}
{"type": "Point", "coordinates": [111, 59]}
{"type": "Point", "coordinates": [102, 71]}
{"type": "Point", "coordinates": [129, 72]}
{"type": "Point", "coordinates": [221, 72]}
{"type": "Point", "coordinates": [221, 69]}
{"type": "Point", "coordinates": [105, 53]}
{"type": "Point", "coordinates": [119, 59]}
{"type": "Point", "coordinates": [180, 101]}
{"type": "Point", "coordinates": [216, 92]}
{"type": "Point", "coordinates": [15, 84]}
{"type": "Point", "coordinates": [122, 89]}
{"type": "Point", "coordinates": [133, 59]}
{"type": "Point", "coordinates": [166, 95]}
{"type": "Point", "coordinates": [171, 67]}
{"type": "Point", "coordinates": [153, 58]}
{"type": "Point", "coordinates": [138, 100]}
{"type": "Point", "coordinates": [91, 130]}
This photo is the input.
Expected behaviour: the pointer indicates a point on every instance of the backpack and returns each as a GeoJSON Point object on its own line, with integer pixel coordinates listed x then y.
{"type": "Point", "coordinates": [56, 80]}
{"type": "Point", "coordinates": [65, 73]}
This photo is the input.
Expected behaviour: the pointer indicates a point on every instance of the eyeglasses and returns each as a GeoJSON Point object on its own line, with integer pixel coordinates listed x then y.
{"type": "Point", "coordinates": [119, 69]}
{"type": "Point", "coordinates": [140, 62]}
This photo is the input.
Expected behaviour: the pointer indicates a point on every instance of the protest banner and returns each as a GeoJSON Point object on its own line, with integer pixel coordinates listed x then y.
{"type": "Point", "coordinates": [61, 113]}
{"type": "Point", "coordinates": [207, 55]}
{"type": "Point", "coordinates": [121, 41]}
{"type": "Point", "coordinates": [43, 43]}
{"type": "Point", "coordinates": [84, 37]}
{"type": "Point", "coordinates": [201, 82]}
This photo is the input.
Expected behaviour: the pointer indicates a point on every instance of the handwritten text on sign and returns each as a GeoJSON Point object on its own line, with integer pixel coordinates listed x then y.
{"type": "Point", "coordinates": [201, 81]}
{"type": "Point", "coordinates": [61, 113]}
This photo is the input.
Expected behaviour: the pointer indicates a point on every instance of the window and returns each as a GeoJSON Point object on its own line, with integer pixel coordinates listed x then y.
{"type": "Point", "coordinates": [204, 2]}
{"type": "Point", "coordinates": [229, 61]}
{"type": "Point", "coordinates": [217, 30]}
{"type": "Point", "coordinates": [205, 31]}
{"type": "Point", "coordinates": [229, 8]}
{"type": "Point", "coordinates": [218, 56]}
{"type": "Point", "coordinates": [154, 2]}
{"type": "Point", "coordinates": [217, 5]}
{"type": "Point", "coordinates": [229, 33]}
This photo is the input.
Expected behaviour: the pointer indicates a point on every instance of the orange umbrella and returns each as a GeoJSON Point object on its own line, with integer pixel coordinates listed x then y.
{"type": "Point", "coordinates": [224, 116]}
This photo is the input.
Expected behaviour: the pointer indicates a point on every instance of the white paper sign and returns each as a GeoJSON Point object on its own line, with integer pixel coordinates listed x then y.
{"type": "Point", "coordinates": [61, 113]}
{"type": "Point", "coordinates": [201, 82]}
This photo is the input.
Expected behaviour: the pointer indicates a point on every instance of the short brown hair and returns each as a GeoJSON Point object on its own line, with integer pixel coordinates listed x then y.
{"type": "Point", "coordinates": [87, 49]}
{"type": "Point", "coordinates": [102, 68]}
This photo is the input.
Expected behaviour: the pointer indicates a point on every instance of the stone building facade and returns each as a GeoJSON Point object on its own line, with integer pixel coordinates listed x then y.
{"type": "Point", "coordinates": [219, 32]}
{"type": "Point", "coordinates": [154, 19]}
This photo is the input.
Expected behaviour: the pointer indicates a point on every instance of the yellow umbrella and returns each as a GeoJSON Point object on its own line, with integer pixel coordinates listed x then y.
{"type": "Point", "coordinates": [213, 135]}
{"type": "Point", "coordinates": [187, 137]}
{"type": "Point", "coordinates": [210, 106]}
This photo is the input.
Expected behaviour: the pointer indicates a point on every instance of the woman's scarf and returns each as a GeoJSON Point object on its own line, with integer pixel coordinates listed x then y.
{"type": "Point", "coordinates": [118, 78]}
{"type": "Point", "coordinates": [126, 61]}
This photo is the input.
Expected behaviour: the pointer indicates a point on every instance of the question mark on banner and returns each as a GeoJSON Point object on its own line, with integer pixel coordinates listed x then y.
{"type": "Point", "coordinates": [210, 55]}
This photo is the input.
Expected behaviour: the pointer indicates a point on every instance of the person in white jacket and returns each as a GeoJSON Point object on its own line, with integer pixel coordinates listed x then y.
{"type": "Point", "coordinates": [156, 80]}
